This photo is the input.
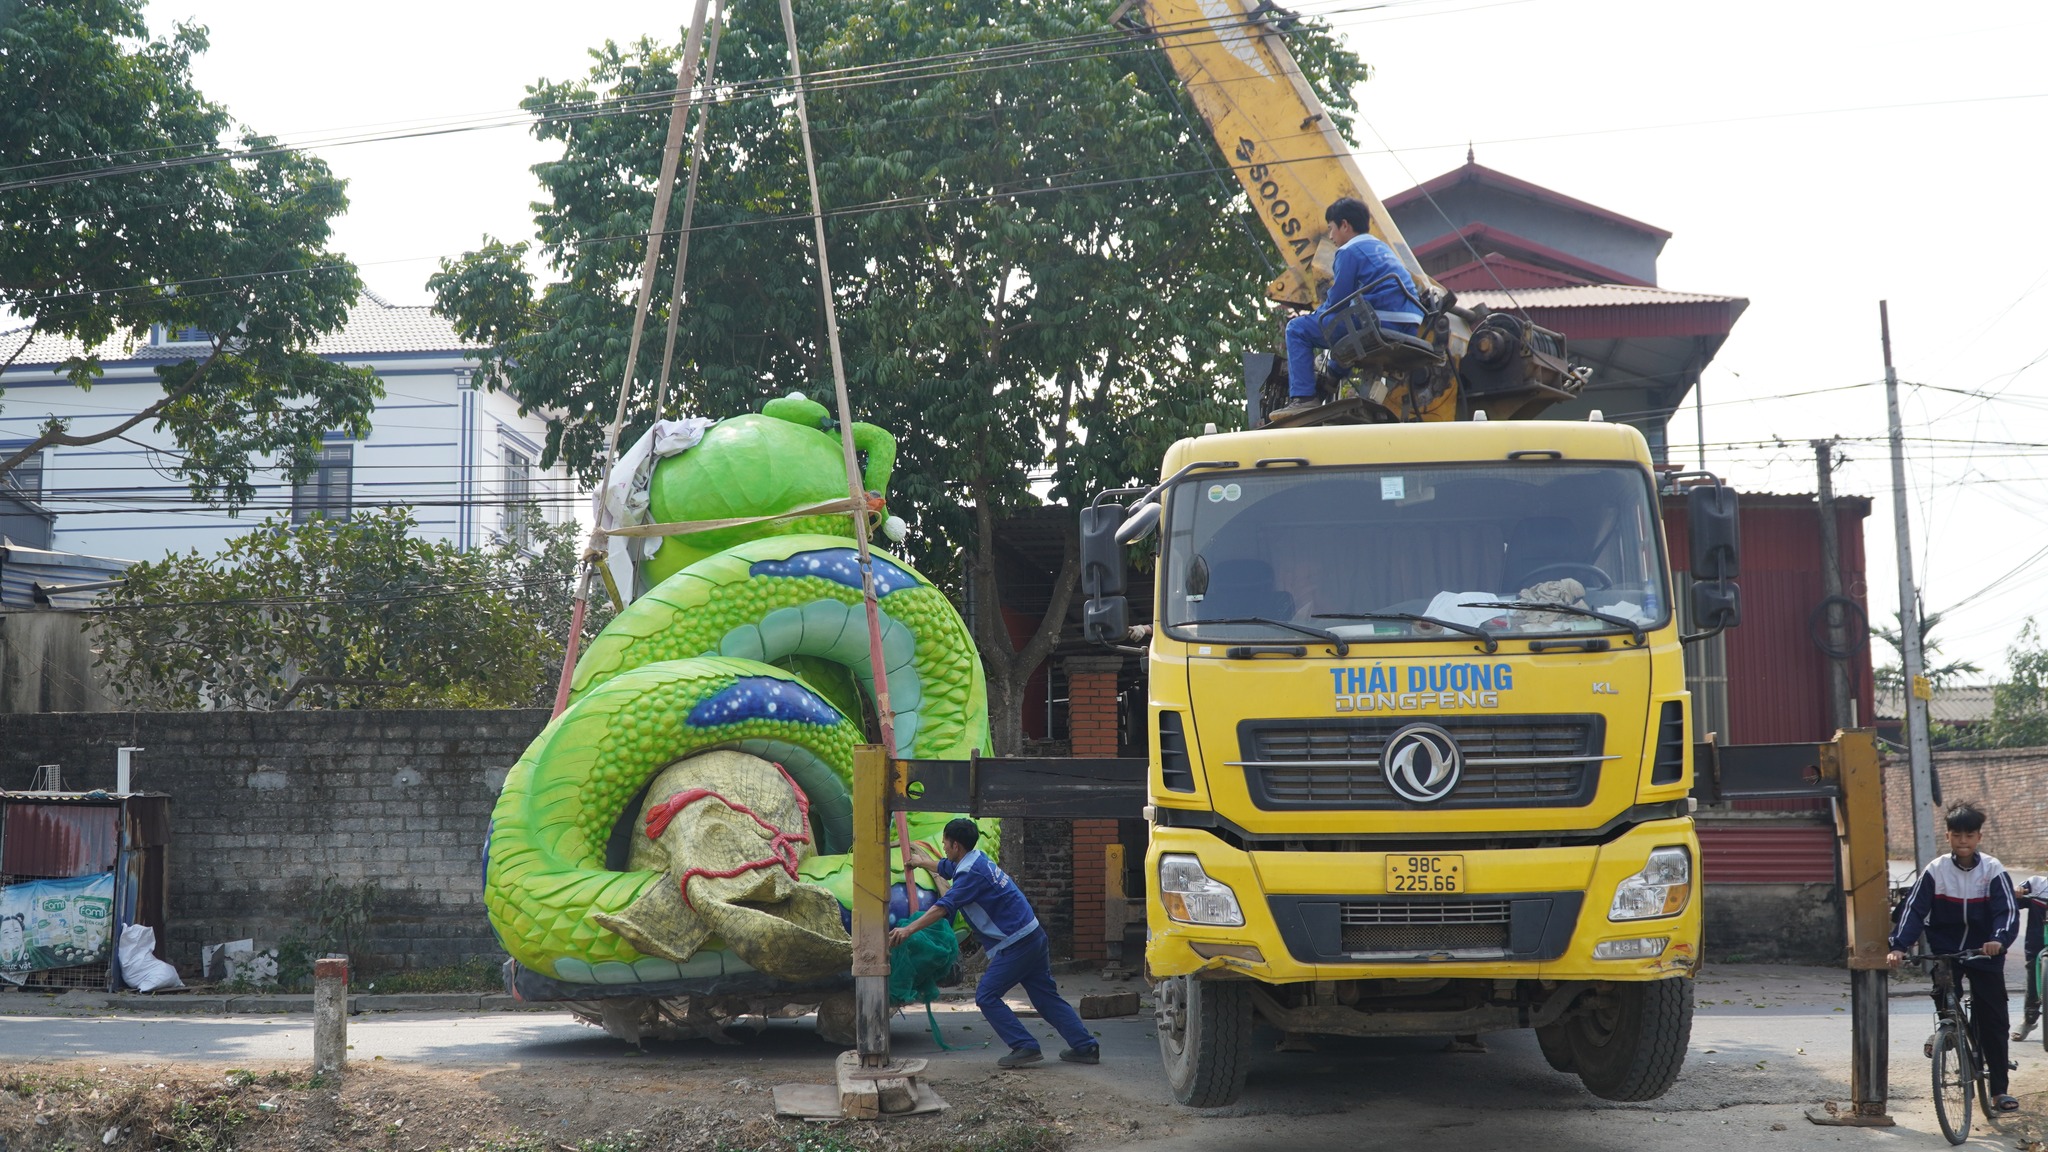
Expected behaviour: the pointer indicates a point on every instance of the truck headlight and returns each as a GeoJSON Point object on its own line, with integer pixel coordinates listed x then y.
{"type": "Point", "coordinates": [1190, 897]}
{"type": "Point", "coordinates": [1660, 889]}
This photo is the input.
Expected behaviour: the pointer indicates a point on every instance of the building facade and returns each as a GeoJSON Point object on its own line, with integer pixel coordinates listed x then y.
{"type": "Point", "coordinates": [461, 458]}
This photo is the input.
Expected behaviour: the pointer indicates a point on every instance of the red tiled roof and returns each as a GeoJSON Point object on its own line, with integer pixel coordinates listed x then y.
{"type": "Point", "coordinates": [1472, 173]}
{"type": "Point", "coordinates": [1484, 236]}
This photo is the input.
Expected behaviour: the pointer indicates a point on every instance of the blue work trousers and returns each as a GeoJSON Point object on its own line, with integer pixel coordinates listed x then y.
{"type": "Point", "coordinates": [1304, 336]}
{"type": "Point", "coordinates": [1028, 962]}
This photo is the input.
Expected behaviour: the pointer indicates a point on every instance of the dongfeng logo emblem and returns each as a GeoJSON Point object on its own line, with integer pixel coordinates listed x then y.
{"type": "Point", "coordinates": [1422, 763]}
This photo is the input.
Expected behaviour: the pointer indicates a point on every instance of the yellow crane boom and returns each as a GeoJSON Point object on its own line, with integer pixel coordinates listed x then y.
{"type": "Point", "coordinates": [1293, 163]}
{"type": "Point", "coordinates": [1282, 144]}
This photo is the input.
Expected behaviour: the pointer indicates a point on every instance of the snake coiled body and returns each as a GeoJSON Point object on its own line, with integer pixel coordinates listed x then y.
{"type": "Point", "coordinates": [699, 663]}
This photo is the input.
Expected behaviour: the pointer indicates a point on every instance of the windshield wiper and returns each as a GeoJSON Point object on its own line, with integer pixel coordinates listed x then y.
{"type": "Point", "coordinates": [1635, 630]}
{"type": "Point", "coordinates": [1415, 617]}
{"type": "Point", "coordinates": [1343, 649]}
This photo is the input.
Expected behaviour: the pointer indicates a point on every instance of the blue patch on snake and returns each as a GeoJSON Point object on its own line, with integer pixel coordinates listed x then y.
{"type": "Point", "coordinates": [841, 566]}
{"type": "Point", "coordinates": [763, 698]}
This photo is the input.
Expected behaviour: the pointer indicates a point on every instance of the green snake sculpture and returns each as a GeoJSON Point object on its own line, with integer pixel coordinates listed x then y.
{"type": "Point", "coordinates": [755, 642]}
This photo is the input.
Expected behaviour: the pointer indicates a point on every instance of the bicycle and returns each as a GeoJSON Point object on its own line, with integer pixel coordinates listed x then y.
{"type": "Point", "coordinates": [1958, 1063]}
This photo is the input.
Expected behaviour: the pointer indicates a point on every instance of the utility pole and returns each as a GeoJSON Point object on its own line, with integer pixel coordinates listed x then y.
{"type": "Point", "coordinates": [1842, 707]}
{"type": "Point", "coordinates": [1922, 759]}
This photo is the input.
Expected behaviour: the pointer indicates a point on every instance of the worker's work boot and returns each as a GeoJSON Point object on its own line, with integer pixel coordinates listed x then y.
{"type": "Point", "coordinates": [1020, 1058]}
{"type": "Point", "coordinates": [1295, 404]}
{"type": "Point", "coordinates": [1089, 1055]}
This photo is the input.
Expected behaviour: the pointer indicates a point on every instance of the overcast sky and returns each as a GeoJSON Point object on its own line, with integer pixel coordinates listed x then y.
{"type": "Point", "coordinates": [1812, 157]}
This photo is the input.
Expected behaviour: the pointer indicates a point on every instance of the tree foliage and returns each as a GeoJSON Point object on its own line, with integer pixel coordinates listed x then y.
{"type": "Point", "coordinates": [234, 248]}
{"type": "Point", "coordinates": [357, 613]}
{"type": "Point", "coordinates": [1041, 274]}
{"type": "Point", "coordinates": [2019, 707]}
{"type": "Point", "coordinates": [1892, 676]}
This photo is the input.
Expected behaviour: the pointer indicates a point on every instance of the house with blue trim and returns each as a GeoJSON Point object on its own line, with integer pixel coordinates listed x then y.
{"type": "Point", "coordinates": [465, 460]}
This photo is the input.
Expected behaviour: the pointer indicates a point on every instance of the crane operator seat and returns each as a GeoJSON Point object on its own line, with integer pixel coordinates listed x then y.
{"type": "Point", "coordinates": [1359, 342]}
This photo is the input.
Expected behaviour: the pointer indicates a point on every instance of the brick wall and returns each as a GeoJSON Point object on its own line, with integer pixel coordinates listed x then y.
{"type": "Point", "coordinates": [2010, 784]}
{"type": "Point", "coordinates": [1091, 725]}
{"type": "Point", "coordinates": [265, 807]}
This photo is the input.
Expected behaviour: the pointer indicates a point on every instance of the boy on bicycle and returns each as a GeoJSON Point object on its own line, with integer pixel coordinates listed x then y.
{"type": "Point", "coordinates": [1964, 902]}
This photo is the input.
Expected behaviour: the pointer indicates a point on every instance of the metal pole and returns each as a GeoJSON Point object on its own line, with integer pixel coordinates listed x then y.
{"type": "Point", "coordinates": [1831, 584]}
{"type": "Point", "coordinates": [1699, 418]}
{"type": "Point", "coordinates": [1925, 848]}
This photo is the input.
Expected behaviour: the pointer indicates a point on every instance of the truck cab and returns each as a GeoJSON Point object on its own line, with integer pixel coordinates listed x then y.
{"type": "Point", "coordinates": [1420, 744]}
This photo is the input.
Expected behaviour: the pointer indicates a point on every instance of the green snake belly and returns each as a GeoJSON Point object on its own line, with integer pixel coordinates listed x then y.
{"type": "Point", "coordinates": [692, 666]}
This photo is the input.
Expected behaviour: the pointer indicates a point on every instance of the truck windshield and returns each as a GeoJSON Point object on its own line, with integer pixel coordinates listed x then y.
{"type": "Point", "coordinates": [1364, 551]}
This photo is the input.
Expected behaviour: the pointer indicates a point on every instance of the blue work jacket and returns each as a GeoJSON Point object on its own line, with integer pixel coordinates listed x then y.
{"type": "Point", "coordinates": [989, 899]}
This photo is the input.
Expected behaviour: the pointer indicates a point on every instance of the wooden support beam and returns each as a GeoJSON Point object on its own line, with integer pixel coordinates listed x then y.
{"type": "Point", "coordinates": [871, 904]}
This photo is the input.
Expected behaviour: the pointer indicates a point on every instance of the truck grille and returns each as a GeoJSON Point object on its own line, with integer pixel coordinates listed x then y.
{"type": "Point", "coordinates": [1423, 926]}
{"type": "Point", "coordinates": [1510, 762]}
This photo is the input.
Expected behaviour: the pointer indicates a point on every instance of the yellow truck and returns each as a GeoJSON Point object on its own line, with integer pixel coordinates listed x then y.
{"type": "Point", "coordinates": [1420, 742]}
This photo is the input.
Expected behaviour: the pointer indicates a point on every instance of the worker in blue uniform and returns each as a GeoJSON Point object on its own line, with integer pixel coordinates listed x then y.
{"type": "Point", "coordinates": [1018, 952]}
{"type": "Point", "coordinates": [1361, 259]}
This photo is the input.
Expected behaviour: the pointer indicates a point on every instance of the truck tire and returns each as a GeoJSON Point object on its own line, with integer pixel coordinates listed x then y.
{"type": "Point", "coordinates": [1631, 1043]}
{"type": "Point", "coordinates": [1556, 1042]}
{"type": "Point", "coordinates": [1205, 1035]}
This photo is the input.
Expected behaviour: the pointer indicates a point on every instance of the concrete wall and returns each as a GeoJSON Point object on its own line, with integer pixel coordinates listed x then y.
{"type": "Point", "coordinates": [46, 665]}
{"type": "Point", "coordinates": [1773, 923]}
{"type": "Point", "coordinates": [2010, 784]}
{"type": "Point", "coordinates": [265, 807]}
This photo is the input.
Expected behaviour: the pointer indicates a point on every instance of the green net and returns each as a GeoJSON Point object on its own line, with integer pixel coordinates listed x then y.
{"type": "Point", "coordinates": [918, 964]}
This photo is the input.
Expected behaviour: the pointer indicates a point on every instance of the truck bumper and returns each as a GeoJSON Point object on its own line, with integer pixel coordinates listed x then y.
{"type": "Point", "coordinates": [1524, 913]}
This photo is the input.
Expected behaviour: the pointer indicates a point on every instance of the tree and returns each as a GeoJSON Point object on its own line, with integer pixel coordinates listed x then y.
{"type": "Point", "coordinates": [1039, 271]}
{"type": "Point", "coordinates": [2019, 707]}
{"type": "Point", "coordinates": [1892, 677]}
{"type": "Point", "coordinates": [357, 613]}
{"type": "Point", "coordinates": [123, 213]}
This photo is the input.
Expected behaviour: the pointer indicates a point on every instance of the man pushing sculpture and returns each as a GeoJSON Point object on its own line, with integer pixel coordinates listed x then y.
{"type": "Point", "coordinates": [971, 885]}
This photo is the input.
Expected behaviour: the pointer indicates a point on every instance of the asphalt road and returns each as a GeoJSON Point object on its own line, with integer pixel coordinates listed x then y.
{"type": "Point", "coordinates": [1768, 1043]}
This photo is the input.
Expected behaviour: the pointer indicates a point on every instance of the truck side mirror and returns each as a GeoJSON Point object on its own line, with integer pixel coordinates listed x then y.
{"type": "Point", "coordinates": [1106, 620]}
{"type": "Point", "coordinates": [1102, 556]}
{"type": "Point", "coordinates": [1140, 524]}
{"type": "Point", "coordinates": [1716, 604]}
{"type": "Point", "coordinates": [1711, 515]}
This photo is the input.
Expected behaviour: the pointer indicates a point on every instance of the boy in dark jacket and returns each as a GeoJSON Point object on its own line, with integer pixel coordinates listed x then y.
{"type": "Point", "coordinates": [1964, 902]}
{"type": "Point", "coordinates": [2033, 895]}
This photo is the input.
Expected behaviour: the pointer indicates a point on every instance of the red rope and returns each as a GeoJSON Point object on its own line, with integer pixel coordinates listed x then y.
{"type": "Point", "coordinates": [781, 844]}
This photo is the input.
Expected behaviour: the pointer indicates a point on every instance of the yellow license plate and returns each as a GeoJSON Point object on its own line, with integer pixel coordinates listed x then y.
{"type": "Point", "coordinates": [1419, 875]}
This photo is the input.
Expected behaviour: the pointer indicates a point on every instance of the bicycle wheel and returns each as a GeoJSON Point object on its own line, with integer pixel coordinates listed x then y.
{"type": "Point", "coordinates": [1952, 1082]}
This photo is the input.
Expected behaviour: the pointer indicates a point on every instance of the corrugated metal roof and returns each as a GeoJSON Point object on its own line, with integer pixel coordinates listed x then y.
{"type": "Point", "coordinates": [374, 327]}
{"type": "Point", "coordinates": [22, 568]}
{"type": "Point", "coordinates": [1963, 704]}
{"type": "Point", "coordinates": [1589, 296]}
{"type": "Point", "coordinates": [54, 840]}
{"type": "Point", "coordinates": [1767, 852]}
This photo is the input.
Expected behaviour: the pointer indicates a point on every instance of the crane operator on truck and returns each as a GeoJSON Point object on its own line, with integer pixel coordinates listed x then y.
{"type": "Point", "coordinates": [1362, 260]}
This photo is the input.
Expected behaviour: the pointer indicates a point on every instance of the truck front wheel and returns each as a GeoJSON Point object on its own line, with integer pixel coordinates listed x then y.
{"type": "Point", "coordinates": [1630, 1042]}
{"type": "Point", "coordinates": [1205, 1034]}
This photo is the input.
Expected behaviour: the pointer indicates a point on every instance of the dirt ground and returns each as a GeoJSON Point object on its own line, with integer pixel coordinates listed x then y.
{"type": "Point", "coordinates": [196, 1107]}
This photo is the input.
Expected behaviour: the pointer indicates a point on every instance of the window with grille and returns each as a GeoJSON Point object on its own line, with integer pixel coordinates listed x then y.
{"type": "Point", "coordinates": [24, 481]}
{"type": "Point", "coordinates": [519, 505]}
{"type": "Point", "coordinates": [326, 494]}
